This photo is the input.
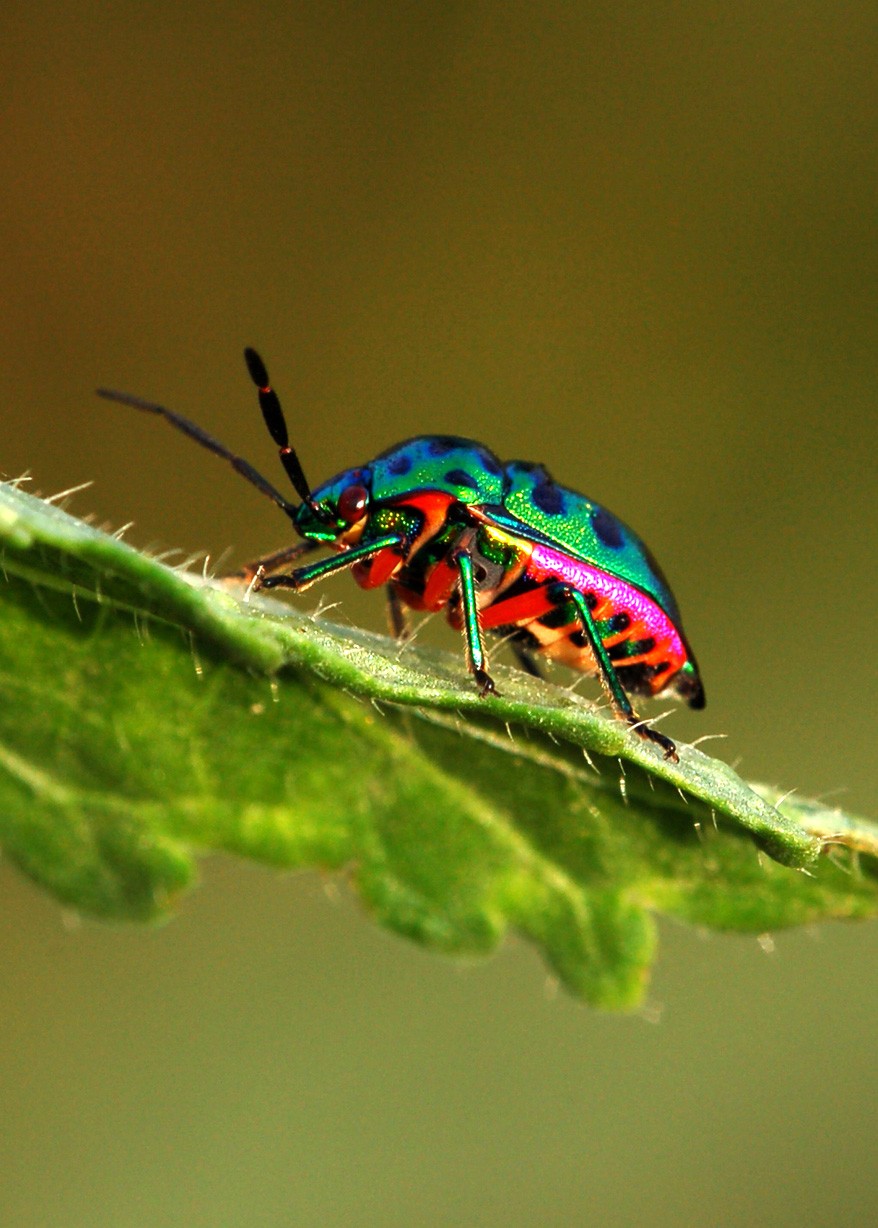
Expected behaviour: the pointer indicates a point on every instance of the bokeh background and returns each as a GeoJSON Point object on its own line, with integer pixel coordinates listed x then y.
{"type": "Point", "coordinates": [636, 242]}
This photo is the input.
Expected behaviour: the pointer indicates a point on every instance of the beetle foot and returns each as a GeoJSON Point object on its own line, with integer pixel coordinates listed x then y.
{"type": "Point", "coordinates": [653, 735]}
{"type": "Point", "coordinates": [485, 683]}
{"type": "Point", "coordinates": [291, 581]}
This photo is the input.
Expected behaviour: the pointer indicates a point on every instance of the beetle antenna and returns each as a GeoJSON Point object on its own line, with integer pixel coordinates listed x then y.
{"type": "Point", "coordinates": [207, 441]}
{"type": "Point", "coordinates": [269, 403]}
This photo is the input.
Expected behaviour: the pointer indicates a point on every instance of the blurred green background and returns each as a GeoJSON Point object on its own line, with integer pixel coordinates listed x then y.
{"type": "Point", "coordinates": [636, 242]}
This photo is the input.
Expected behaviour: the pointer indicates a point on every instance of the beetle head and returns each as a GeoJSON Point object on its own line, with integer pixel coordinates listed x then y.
{"type": "Point", "coordinates": [337, 510]}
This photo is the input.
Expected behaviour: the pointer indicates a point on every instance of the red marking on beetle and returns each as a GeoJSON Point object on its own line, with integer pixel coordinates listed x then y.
{"type": "Point", "coordinates": [548, 564]}
{"type": "Point", "coordinates": [512, 611]}
{"type": "Point", "coordinates": [619, 638]}
{"type": "Point", "coordinates": [433, 506]}
{"type": "Point", "coordinates": [440, 585]}
{"type": "Point", "coordinates": [378, 570]}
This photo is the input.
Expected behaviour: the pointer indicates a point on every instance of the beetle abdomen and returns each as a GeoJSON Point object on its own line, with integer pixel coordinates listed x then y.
{"type": "Point", "coordinates": [641, 639]}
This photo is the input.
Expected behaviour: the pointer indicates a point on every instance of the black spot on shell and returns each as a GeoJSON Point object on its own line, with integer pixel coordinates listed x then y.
{"type": "Point", "coordinates": [559, 617]}
{"type": "Point", "coordinates": [460, 477]}
{"type": "Point", "coordinates": [607, 527]}
{"type": "Point", "coordinates": [400, 465]}
{"type": "Point", "coordinates": [490, 463]}
{"type": "Point", "coordinates": [619, 622]}
{"type": "Point", "coordinates": [652, 671]}
{"type": "Point", "coordinates": [549, 498]}
{"type": "Point", "coordinates": [631, 648]}
{"type": "Point", "coordinates": [441, 445]}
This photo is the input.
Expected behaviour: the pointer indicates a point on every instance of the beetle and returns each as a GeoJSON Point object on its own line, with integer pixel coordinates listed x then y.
{"type": "Point", "coordinates": [500, 546]}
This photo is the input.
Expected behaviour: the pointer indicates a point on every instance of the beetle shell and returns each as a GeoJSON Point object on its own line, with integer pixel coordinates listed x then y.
{"type": "Point", "coordinates": [529, 533]}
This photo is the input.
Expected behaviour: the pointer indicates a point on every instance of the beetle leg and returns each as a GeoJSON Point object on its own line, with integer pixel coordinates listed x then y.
{"type": "Point", "coordinates": [563, 594]}
{"type": "Point", "coordinates": [472, 630]}
{"type": "Point", "coordinates": [397, 615]}
{"type": "Point", "coordinates": [270, 562]}
{"type": "Point", "coordinates": [304, 577]}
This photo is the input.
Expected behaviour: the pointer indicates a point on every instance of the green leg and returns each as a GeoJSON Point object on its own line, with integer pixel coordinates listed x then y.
{"type": "Point", "coordinates": [471, 628]}
{"type": "Point", "coordinates": [303, 577]}
{"type": "Point", "coordinates": [563, 594]}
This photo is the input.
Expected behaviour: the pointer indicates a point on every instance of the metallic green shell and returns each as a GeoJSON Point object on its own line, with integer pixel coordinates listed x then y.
{"type": "Point", "coordinates": [519, 497]}
{"type": "Point", "coordinates": [569, 521]}
{"type": "Point", "coordinates": [446, 463]}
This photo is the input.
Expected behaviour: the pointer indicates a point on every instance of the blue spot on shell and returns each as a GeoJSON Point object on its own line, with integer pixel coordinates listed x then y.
{"type": "Point", "coordinates": [460, 477]}
{"type": "Point", "coordinates": [441, 445]}
{"type": "Point", "coordinates": [549, 498]}
{"type": "Point", "coordinates": [400, 465]}
{"type": "Point", "coordinates": [607, 528]}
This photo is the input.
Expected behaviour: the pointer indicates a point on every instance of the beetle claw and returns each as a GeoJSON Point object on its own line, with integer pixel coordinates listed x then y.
{"type": "Point", "coordinates": [653, 735]}
{"type": "Point", "coordinates": [667, 745]}
{"type": "Point", "coordinates": [485, 684]}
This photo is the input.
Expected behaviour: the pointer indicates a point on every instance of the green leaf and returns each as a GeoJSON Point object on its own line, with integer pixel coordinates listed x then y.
{"type": "Point", "coordinates": [150, 716]}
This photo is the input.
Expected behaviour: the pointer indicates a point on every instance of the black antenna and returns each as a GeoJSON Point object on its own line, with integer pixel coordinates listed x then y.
{"type": "Point", "coordinates": [207, 441]}
{"type": "Point", "coordinates": [269, 403]}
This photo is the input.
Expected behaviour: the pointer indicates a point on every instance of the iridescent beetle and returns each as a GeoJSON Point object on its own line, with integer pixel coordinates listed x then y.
{"type": "Point", "coordinates": [499, 546]}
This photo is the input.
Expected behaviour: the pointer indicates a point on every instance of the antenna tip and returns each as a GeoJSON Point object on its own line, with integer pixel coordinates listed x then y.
{"type": "Point", "coordinates": [256, 367]}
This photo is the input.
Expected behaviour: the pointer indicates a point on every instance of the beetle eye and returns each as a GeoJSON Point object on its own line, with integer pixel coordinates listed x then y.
{"type": "Point", "coordinates": [352, 504]}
